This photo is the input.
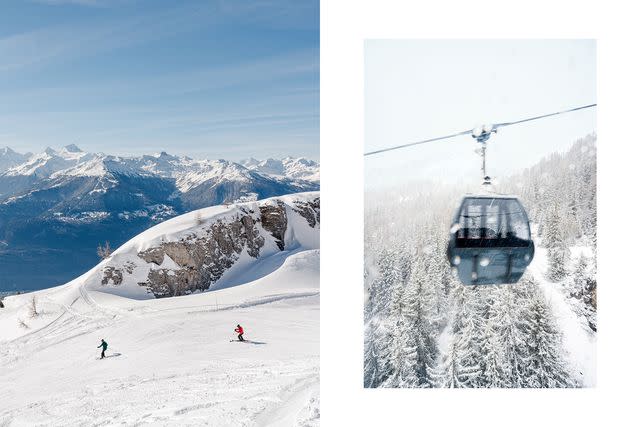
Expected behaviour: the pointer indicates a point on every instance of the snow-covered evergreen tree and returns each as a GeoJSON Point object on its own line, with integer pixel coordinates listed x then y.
{"type": "Point", "coordinates": [581, 289]}
{"type": "Point", "coordinates": [422, 319]}
{"type": "Point", "coordinates": [454, 373]}
{"type": "Point", "coordinates": [546, 366]}
{"type": "Point", "coordinates": [467, 325]}
{"type": "Point", "coordinates": [493, 364]}
{"type": "Point", "coordinates": [510, 336]}
{"type": "Point", "coordinates": [558, 253]}
{"type": "Point", "coordinates": [403, 356]}
{"type": "Point", "coordinates": [377, 366]}
{"type": "Point", "coordinates": [376, 355]}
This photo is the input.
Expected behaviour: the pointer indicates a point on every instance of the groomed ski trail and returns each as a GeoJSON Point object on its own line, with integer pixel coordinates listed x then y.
{"type": "Point", "coordinates": [175, 364]}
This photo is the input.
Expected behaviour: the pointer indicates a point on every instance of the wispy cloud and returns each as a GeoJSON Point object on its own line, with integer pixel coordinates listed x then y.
{"type": "Point", "coordinates": [20, 50]}
{"type": "Point", "coordinates": [279, 70]}
{"type": "Point", "coordinates": [99, 34]}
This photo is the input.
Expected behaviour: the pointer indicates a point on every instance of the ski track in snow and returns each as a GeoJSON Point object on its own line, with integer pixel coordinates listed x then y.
{"type": "Point", "coordinates": [171, 360]}
{"type": "Point", "coordinates": [578, 339]}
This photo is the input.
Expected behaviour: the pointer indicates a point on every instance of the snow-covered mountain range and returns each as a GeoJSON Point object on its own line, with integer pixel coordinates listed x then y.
{"type": "Point", "coordinates": [187, 173]}
{"type": "Point", "coordinates": [58, 205]}
{"type": "Point", "coordinates": [170, 360]}
{"type": "Point", "coordinates": [9, 158]}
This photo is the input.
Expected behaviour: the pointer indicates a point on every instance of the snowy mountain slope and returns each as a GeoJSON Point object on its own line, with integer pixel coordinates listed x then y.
{"type": "Point", "coordinates": [193, 252]}
{"type": "Point", "coordinates": [170, 360]}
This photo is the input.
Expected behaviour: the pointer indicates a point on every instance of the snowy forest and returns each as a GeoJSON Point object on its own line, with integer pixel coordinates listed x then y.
{"type": "Point", "coordinates": [423, 328]}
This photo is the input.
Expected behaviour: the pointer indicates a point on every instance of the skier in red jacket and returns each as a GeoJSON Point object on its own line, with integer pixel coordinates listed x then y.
{"type": "Point", "coordinates": [240, 331]}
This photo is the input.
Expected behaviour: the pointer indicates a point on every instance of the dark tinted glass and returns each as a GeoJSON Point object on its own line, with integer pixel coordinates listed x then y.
{"type": "Point", "coordinates": [491, 222]}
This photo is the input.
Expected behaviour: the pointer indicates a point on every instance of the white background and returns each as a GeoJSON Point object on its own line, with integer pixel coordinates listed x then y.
{"type": "Point", "coordinates": [344, 26]}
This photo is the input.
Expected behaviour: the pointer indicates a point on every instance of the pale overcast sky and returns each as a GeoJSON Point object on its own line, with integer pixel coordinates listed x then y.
{"type": "Point", "coordinates": [420, 89]}
{"type": "Point", "coordinates": [206, 78]}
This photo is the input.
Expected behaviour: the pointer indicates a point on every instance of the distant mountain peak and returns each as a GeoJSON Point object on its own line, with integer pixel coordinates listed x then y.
{"type": "Point", "coordinates": [10, 158]}
{"type": "Point", "coordinates": [8, 151]}
{"type": "Point", "coordinates": [289, 167]}
{"type": "Point", "coordinates": [72, 148]}
{"type": "Point", "coordinates": [164, 155]}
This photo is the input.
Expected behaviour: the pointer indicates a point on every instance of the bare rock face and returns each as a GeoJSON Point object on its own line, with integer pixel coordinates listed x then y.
{"type": "Point", "coordinates": [113, 275]}
{"type": "Point", "coordinates": [166, 282]}
{"type": "Point", "coordinates": [129, 267]}
{"type": "Point", "coordinates": [274, 220]}
{"type": "Point", "coordinates": [309, 211]}
{"type": "Point", "coordinates": [154, 255]}
{"type": "Point", "coordinates": [202, 260]}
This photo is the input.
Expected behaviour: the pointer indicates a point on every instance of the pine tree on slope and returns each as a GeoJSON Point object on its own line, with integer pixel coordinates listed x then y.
{"type": "Point", "coordinates": [454, 375]}
{"type": "Point", "coordinates": [402, 344]}
{"type": "Point", "coordinates": [377, 333]}
{"type": "Point", "coordinates": [558, 253]}
{"type": "Point", "coordinates": [403, 357]}
{"type": "Point", "coordinates": [462, 361]}
{"type": "Point", "coordinates": [510, 336]}
{"type": "Point", "coordinates": [493, 361]}
{"type": "Point", "coordinates": [418, 305]}
{"type": "Point", "coordinates": [377, 367]}
{"type": "Point", "coordinates": [546, 367]}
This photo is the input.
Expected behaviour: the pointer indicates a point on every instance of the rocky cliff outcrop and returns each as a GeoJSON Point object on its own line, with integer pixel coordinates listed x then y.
{"type": "Point", "coordinates": [112, 275]}
{"type": "Point", "coordinates": [274, 220]}
{"type": "Point", "coordinates": [202, 255]}
{"type": "Point", "coordinates": [201, 261]}
{"type": "Point", "coordinates": [310, 210]}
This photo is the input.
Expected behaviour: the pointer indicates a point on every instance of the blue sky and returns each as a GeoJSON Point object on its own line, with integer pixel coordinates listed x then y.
{"type": "Point", "coordinates": [219, 79]}
{"type": "Point", "coordinates": [420, 89]}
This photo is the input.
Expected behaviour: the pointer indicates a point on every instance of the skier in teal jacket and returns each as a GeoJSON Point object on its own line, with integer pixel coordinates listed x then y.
{"type": "Point", "coordinates": [104, 348]}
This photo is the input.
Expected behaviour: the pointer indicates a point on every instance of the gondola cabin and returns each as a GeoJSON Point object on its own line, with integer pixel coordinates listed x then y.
{"type": "Point", "coordinates": [490, 240]}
